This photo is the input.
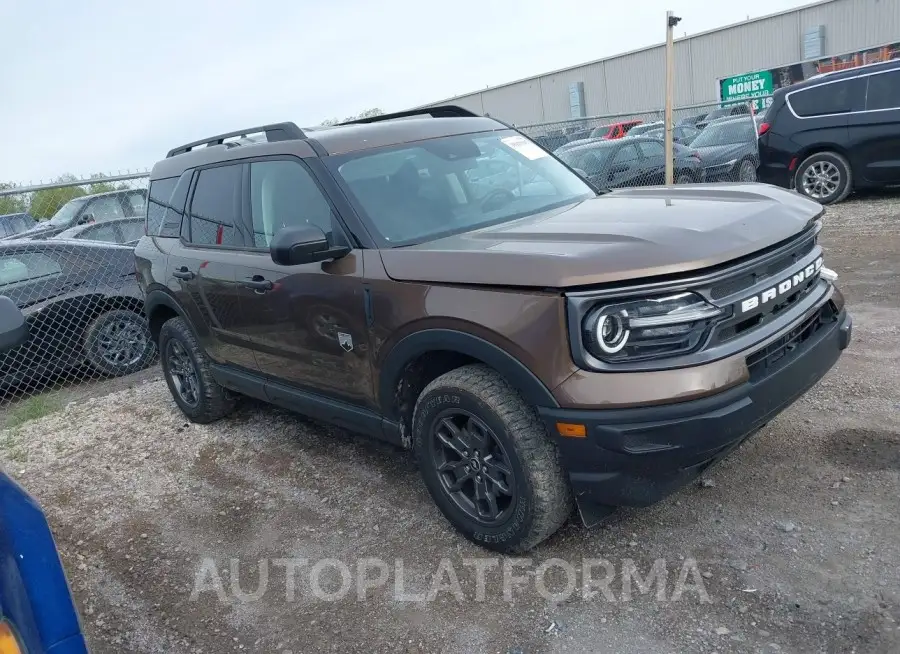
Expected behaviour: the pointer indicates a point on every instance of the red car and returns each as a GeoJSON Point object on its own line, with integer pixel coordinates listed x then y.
{"type": "Point", "coordinates": [614, 131]}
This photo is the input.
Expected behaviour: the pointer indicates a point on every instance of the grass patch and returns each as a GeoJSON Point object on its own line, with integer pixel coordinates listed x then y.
{"type": "Point", "coordinates": [33, 408]}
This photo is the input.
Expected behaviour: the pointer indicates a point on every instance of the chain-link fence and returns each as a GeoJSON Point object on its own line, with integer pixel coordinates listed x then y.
{"type": "Point", "coordinates": [712, 143]}
{"type": "Point", "coordinates": [67, 261]}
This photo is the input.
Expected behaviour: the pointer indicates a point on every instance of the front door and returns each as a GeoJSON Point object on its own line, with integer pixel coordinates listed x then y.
{"type": "Point", "coordinates": [306, 323]}
{"type": "Point", "coordinates": [201, 268]}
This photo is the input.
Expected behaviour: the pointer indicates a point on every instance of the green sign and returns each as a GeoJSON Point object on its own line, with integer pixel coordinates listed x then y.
{"type": "Point", "coordinates": [746, 87]}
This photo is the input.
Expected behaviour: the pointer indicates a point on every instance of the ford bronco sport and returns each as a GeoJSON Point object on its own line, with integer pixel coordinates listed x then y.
{"type": "Point", "coordinates": [537, 344]}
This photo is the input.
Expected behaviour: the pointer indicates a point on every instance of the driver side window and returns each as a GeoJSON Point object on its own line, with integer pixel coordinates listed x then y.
{"type": "Point", "coordinates": [105, 208]}
{"type": "Point", "coordinates": [284, 194]}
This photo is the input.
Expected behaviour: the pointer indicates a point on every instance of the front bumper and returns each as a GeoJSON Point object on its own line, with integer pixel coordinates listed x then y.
{"type": "Point", "coordinates": [637, 456]}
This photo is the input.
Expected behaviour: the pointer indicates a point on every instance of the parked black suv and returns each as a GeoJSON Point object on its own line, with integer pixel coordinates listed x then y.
{"type": "Point", "coordinates": [834, 134]}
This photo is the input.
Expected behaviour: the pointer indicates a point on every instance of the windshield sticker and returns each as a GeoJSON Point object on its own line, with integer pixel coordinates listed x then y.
{"type": "Point", "coordinates": [524, 147]}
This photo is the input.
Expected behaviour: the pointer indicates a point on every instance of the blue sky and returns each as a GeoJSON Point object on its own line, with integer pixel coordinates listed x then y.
{"type": "Point", "coordinates": [100, 86]}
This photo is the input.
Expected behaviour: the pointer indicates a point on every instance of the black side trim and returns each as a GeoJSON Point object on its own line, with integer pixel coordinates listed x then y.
{"type": "Point", "coordinates": [370, 315]}
{"type": "Point", "coordinates": [274, 132]}
{"type": "Point", "coordinates": [433, 340]}
{"type": "Point", "coordinates": [444, 111]}
{"type": "Point", "coordinates": [335, 412]}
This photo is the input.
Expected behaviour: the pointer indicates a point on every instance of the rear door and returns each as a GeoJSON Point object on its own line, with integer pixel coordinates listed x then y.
{"type": "Point", "coordinates": [654, 162]}
{"type": "Point", "coordinates": [875, 131]}
{"type": "Point", "coordinates": [625, 167]}
{"type": "Point", "coordinates": [201, 268]}
{"type": "Point", "coordinates": [306, 323]}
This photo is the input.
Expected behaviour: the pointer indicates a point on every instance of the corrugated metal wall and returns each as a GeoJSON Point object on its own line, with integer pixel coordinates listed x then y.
{"type": "Point", "coordinates": [635, 81]}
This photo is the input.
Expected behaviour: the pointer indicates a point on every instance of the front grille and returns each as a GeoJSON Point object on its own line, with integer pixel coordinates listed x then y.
{"type": "Point", "coordinates": [734, 327]}
{"type": "Point", "coordinates": [778, 353]}
{"type": "Point", "coordinates": [757, 273]}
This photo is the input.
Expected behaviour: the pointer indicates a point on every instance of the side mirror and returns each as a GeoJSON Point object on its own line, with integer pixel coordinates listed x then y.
{"type": "Point", "coordinates": [293, 246]}
{"type": "Point", "coordinates": [13, 328]}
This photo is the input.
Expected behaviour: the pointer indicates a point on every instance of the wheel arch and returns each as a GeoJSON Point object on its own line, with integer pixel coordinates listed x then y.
{"type": "Point", "coordinates": [419, 358]}
{"type": "Point", "coordinates": [160, 306]}
{"type": "Point", "coordinates": [821, 148]}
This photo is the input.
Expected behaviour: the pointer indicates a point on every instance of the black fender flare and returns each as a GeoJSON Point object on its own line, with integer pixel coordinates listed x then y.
{"type": "Point", "coordinates": [408, 348]}
{"type": "Point", "coordinates": [157, 298]}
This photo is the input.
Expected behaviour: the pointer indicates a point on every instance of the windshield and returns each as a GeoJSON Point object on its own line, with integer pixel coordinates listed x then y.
{"type": "Point", "coordinates": [734, 131]}
{"type": "Point", "coordinates": [67, 213]}
{"type": "Point", "coordinates": [426, 190]}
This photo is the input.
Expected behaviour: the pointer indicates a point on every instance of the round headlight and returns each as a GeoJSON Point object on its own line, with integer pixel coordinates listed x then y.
{"type": "Point", "coordinates": [611, 332]}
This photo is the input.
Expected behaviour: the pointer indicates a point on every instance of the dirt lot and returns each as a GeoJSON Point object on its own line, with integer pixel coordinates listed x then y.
{"type": "Point", "coordinates": [796, 536]}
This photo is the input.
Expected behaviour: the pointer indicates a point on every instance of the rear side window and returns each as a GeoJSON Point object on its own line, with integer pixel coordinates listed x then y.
{"type": "Point", "coordinates": [160, 195]}
{"type": "Point", "coordinates": [653, 149]}
{"type": "Point", "coordinates": [27, 266]}
{"type": "Point", "coordinates": [104, 232]}
{"type": "Point", "coordinates": [132, 230]}
{"type": "Point", "coordinates": [822, 100]}
{"type": "Point", "coordinates": [626, 156]}
{"type": "Point", "coordinates": [215, 206]}
{"type": "Point", "coordinates": [883, 91]}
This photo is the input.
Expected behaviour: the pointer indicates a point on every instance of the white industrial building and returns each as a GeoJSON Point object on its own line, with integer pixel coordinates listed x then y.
{"type": "Point", "coordinates": [769, 51]}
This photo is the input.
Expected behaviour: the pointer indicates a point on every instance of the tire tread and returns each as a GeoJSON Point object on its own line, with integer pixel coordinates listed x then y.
{"type": "Point", "coordinates": [215, 402]}
{"type": "Point", "coordinates": [553, 499]}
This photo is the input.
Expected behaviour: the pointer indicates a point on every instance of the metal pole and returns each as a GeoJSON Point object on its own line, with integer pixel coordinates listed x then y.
{"type": "Point", "coordinates": [671, 21]}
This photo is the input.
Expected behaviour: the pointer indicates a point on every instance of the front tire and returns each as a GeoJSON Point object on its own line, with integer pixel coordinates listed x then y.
{"type": "Point", "coordinates": [187, 371]}
{"type": "Point", "coordinates": [487, 461]}
{"type": "Point", "coordinates": [824, 177]}
{"type": "Point", "coordinates": [118, 343]}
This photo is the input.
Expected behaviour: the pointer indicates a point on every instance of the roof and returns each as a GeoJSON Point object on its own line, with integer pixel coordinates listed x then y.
{"type": "Point", "coordinates": [381, 131]}
{"type": "Point", "coordinates": [837, 75]}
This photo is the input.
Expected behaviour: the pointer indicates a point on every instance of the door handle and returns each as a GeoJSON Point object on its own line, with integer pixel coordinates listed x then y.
{"type": "Point", "coordinates": [182, 273]}
{"type": "Point", "coordinates": [259, 284]}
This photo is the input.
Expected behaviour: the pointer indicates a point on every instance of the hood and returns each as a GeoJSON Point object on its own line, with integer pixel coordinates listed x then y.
{"type": "Point", "coordinates": [714, 155]}
{"type": "Point", "coordinates": [620, 236]}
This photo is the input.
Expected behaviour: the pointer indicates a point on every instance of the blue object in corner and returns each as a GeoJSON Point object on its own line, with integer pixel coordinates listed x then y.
{"type": "Point", "coordinates": [34, 595]}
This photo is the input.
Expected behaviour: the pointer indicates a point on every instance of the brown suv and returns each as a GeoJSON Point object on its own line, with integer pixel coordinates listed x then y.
{"type": "Point", "coordinates": [437, 280]}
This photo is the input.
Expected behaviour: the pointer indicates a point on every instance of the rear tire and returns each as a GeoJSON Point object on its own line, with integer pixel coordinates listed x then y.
{"type": "Point", "coordinates": [825, 177]}
{"type": "Point", "coordinates": [473, 431]}
{"type": "Point", "coordinates": [747, 171]}
{"type": "Point", "coordinates": [187, 371]}
{"type": "Point", "coordinates": [118, 343]}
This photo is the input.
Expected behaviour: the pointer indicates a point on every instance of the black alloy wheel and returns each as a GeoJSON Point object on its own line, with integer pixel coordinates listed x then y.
{"type": "Point", "coordinates": [183, 373]}
{"type": "Point", "coordinates": [473, 467]}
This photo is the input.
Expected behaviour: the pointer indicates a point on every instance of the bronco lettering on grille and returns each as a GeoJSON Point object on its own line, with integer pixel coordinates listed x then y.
{"type": "Point", "coordinates": [782, 288]}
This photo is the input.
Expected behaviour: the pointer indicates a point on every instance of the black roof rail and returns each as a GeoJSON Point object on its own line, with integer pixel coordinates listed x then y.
{"type": "Point", "coordinates": [443, 111]}
{"type": "Point", "coordinates": [274, 132]}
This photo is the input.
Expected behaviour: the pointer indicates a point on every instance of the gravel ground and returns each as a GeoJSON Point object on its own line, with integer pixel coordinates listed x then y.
{"type": "Point", "coordinates": [789, 545]}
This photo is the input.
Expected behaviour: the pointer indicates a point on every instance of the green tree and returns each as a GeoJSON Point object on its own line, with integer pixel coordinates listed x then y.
{"type": "Point", "coordinates": [11, 203]}
{"type": "Point", "coordinates": [102, 186]}
{"type": "Point", "coordinates": [46, 202]}
{"type": "Point", "coordinates": [368, 113]}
